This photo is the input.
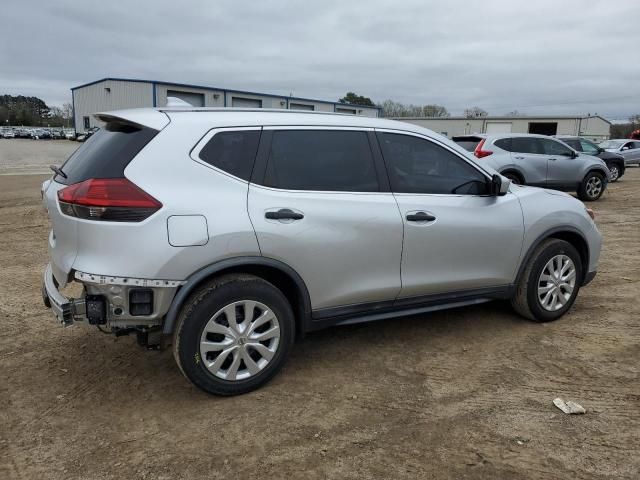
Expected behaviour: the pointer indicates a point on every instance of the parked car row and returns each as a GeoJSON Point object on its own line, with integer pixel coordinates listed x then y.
{"type": "Point", "coordinates": [566, 163]}
{"type": "Point", "coordinates": [37, 133]}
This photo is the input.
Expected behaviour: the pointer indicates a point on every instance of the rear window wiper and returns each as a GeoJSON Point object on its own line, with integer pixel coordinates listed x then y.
{"type": "Point", "coordinates": [58, 171]}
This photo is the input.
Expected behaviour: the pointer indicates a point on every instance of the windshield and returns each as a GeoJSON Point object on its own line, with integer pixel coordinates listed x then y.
{"type": "Point", "coordinates": [612, 143]}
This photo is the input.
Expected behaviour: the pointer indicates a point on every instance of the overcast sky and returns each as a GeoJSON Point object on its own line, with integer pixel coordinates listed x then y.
{"type": "Point", "coordinates": [537, 57]}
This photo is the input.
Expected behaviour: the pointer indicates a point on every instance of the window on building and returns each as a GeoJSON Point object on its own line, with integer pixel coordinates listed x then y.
{"type": "Point", "coordinates": [417, 165]}
{"type": "Point", "coordinates": [243, 102]}
{"type": "Point", "coordinates": [321, 160]}
{"type": "Point", "coordinates": [350, 111]}
{"type": "Point", "coordinates": [87, 122]}
{"type": "Point", "coordinates": [233, 152]}
{"type": "Point", "coordinates": [301, 106]}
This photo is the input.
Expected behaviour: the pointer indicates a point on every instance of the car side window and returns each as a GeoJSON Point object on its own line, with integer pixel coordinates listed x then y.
{"type": "Point", "coordinates": [417, 165]}
{"type": "Point", "coordinates": [321, 160]}
{"type": "Point", "coordinates": [233, 152]}
{"type": "Point", "coordinates": [527, 145]}
{"type": "Point", "coordinates": [627, 146]}
{"type": "Point", "coordinates": [576, 145]}
{"type": "Point", "coordinates": [636, 145]}
{"type": "Point", "coordinates": [589, 148]}
{"type": "Point", "coordinates": [504, 144]}
{"type": "Point", "coordinates": [553, 147]}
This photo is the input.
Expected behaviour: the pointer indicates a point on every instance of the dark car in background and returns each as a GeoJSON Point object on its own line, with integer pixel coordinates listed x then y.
{"type": "Point", "coordinates": [614, 161]}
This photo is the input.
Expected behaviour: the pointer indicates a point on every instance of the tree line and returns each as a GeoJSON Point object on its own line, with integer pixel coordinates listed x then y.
{"type": "Point", "coordinates": [391, 108]}
{"type": "Point", "coordinates": [33, 112]}
{"type": "Point", "coordinates": [625, 130]}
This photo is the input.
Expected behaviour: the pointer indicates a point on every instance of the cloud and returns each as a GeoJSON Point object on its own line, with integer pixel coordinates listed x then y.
{"type": "Point", "coordinates": [543, 57]}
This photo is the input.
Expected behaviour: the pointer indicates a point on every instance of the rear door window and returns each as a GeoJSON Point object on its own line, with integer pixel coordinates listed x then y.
{"type": "Point", "coordinates": [232, 151]}
{"type": "Point", "coordinates": [527, 145]}
{"type": "Point", "coordinates": [106, 153]}
{"type": "Point", "coordinates": [321, 160]}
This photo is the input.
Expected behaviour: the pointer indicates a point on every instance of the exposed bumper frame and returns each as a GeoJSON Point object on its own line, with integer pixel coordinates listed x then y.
{"type": "Point", "coordinates": [66, 310]}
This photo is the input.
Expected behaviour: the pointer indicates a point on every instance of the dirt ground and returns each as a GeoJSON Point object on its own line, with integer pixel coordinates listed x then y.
{"type": "Point", "coordinates": [465, 393]}
{"type": "Point", "coordinates": [27, 156]}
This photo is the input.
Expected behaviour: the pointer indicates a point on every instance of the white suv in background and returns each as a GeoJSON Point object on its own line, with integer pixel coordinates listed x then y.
{"type": "Point", "coordinates": [229, 233]}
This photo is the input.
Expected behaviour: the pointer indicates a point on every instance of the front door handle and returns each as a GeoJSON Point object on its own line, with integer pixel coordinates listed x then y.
{"type": "Point", "coordinates": [553, 159]}
{"type": "Point", "coordinates": [420, 217]}
{"type": "Point", "coordinates": [519, 158]}
{"type": "Point", "coordinates": [284, 214]}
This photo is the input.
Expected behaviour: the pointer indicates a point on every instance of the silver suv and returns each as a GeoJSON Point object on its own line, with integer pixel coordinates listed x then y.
{"type": "Point", "coordinates": [230, 233]}
{"type": "Point", "coordinates": [541, 161]}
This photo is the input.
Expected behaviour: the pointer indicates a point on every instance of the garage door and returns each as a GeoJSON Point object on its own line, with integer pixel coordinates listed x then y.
{"type": "Point", "coordinates": [245, 102]}
{"type": "Point", "coordinates": [193, 99]}
{"type": "Point", "coordinates": [498, 127]}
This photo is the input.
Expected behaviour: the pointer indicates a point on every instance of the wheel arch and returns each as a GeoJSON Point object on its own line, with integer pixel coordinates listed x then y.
{"type": "Point", "coordinates": [570, 235]}
{"type": "Point", "coordinates": [514, 171]}
{"type": "Point", "coordinates": [599, 170]}
{"type": "Point", "coordinates": [274, 271]}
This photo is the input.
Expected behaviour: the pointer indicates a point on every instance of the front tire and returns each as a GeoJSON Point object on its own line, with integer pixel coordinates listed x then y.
{"type": "Point", "coordinates": [550, 283]}
{"type": "Point", "coordinates": [592, 187]}
{"type": "Point", "coordinates": [514, 178]}
{"type": "Point", "coordinates": [233, 334]}
{"type": "Point", "coordinates": [615, 172]}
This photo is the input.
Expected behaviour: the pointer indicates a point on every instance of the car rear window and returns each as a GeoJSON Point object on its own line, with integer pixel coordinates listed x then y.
{"type": "Point", "coordinates": [233, 152]}
{"type": "Point", "coordinates": [106, 153]}
{"type": "Point", "coordinates": [468, 143]}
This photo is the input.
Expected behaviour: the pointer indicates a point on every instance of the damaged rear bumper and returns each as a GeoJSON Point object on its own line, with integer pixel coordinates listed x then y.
{"type": "Point", "coordinates": [66, 310]}
{"type": "Point", "coordinates": [111, 301]}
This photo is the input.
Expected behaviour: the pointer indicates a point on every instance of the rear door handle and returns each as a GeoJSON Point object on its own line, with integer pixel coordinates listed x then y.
{"type": "Point", "coordinates": [420, 217]}
{"type": "Point", "coordinates": [284, 214]}
{"type": "Point", "coordinates": [553, 159]}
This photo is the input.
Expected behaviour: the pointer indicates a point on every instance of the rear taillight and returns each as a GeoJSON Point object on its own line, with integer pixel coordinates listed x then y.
{"type": "Point", "coordinates": [479, 152]}
{"type": "Point", "coordinates": [110, 199]}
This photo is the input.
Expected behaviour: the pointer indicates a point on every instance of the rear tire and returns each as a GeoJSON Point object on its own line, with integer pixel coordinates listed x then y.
{"type": "Point", "coordinates": [233, 334]}
{"type": "Point", "coordinates": [539, 284]}
{"type": "Point", "coordinates": [592, 187]}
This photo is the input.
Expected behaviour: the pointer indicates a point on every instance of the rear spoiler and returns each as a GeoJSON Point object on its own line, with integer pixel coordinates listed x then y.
{"type": "Point", "coordinates": [142, 117]}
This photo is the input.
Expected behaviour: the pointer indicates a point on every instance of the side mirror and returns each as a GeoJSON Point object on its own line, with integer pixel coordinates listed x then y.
{"type": "Point", "coordinates": [600, 150]}
{"type": "Point", "coordinates": [499, 185]}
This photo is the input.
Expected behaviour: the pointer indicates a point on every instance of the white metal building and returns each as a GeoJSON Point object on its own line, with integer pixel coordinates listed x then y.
{"type": "Point", "coordinates": [595, 127]}
{"type": "Point", "coordinates": [118, 93]}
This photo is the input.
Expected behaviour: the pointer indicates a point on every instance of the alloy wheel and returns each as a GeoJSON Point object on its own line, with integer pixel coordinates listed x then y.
{"type": "Point", "coordinates": [614, 172]}
{"type": "Point", "coordinates": [240, 340]}
{"type": "Point", "coordinates": [594, 186]}
{"type": "Point", "coordinates": [556, 283]}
